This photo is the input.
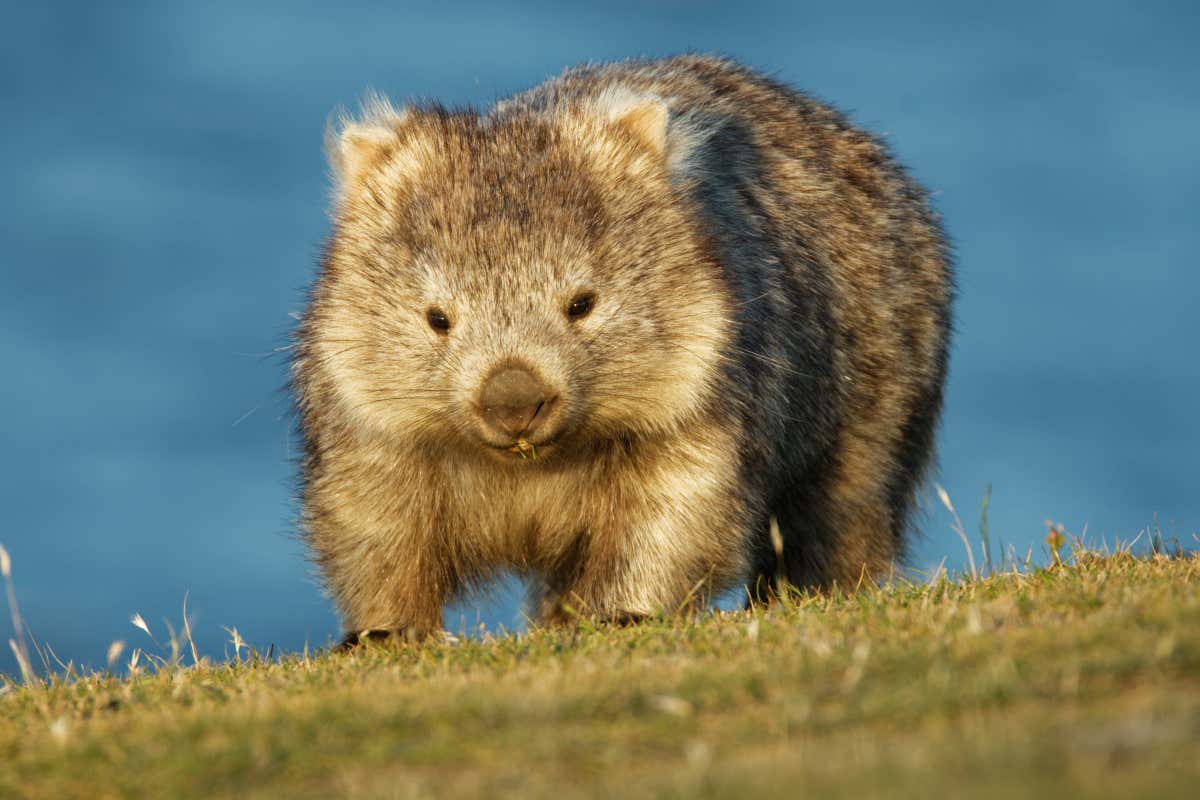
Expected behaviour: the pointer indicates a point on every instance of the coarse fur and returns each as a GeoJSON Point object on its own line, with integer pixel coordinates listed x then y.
{"type": "Point", "coordinates": [769, 340]}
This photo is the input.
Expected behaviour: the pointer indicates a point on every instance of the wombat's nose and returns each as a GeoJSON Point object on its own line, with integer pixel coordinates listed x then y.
{"type": "Point", "coordinates": [514, 403]}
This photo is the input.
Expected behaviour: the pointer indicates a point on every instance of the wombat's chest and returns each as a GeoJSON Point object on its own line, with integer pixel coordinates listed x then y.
{"type": "Point", "coordinates": [524, 519]}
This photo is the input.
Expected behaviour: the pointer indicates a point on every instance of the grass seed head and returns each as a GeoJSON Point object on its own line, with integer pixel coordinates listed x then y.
{"type": "Point", "coordinates": [524, 449]}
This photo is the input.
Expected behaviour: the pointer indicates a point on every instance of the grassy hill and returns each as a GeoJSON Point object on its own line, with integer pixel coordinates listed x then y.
{"type": "Point", "coordinates": [1079, 680]}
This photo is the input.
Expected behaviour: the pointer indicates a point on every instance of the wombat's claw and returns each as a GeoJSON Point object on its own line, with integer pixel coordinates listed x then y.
{"type": "Point", "coordinates": [354, 639]}
{"type": "Point", "coordinates": [386, 636]}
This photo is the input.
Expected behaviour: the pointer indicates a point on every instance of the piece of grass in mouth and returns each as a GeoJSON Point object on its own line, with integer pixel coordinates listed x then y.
{"type": "Point", "coordinates": [524, 449]}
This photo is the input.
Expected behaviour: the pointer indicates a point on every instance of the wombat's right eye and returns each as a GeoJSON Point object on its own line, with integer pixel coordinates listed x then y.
{"type": "Point", "coordinates": [581, 306]}
{"type": "Point", "coordinates": [438, 320]}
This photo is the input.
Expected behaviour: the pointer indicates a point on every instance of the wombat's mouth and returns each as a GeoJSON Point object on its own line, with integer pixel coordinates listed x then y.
{"type": "Point", "coordinates": [523, 449]}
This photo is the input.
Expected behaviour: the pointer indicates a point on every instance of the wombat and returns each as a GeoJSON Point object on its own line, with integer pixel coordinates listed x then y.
{"type": "Point", "coordinates": [646, 332]}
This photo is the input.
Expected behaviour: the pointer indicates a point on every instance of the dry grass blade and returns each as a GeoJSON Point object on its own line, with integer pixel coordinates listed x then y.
{"type": "Point", "coordinates": [140, 623]}
{"type": "Point", "coordinates": [781, 582]}
{"type": "Point", "coordinates": [958, 528]}
{"type": "Point", "coordinates": [187, 631]}
{"type": "Point", "coordinates": [237, 641]}
{"type": "Point", "coordinates": [17, 643]}
{"type": "Point", "coordinates": [114, 652]}
{"type": "Point", "coordinates": [22, 662]}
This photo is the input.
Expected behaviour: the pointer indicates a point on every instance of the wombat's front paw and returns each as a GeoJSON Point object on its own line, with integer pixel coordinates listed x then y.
{"type": "Point", "coordinates": [565, 614]}
{"type": "Point", "coordinates": [382, 636]}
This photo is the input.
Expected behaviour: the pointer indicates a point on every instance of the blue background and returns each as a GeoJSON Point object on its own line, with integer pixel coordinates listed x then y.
{"type": "Point", "coordinates": [163, 208]}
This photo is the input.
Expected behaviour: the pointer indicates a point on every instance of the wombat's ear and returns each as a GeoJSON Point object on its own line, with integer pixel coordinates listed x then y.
{"type": "Point", "coordinates": [354, 145]}
{"type": "Point", "coordinates": [642, 116]}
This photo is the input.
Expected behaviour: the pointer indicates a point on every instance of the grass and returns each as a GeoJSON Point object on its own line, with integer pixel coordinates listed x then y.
{"type": "Point", "coordinates": [1082, 679]}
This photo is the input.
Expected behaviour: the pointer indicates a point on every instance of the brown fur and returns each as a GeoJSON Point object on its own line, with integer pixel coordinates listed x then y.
{"type": "Point", "coordinates": [768, 339]}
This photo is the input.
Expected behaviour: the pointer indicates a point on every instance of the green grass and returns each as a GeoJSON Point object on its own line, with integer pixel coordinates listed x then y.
{"type": "Point", "coordinates": [1078, 680]}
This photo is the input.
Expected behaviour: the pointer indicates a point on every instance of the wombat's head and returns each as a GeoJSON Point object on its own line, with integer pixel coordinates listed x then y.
{"type": "Point", "coordinates": [516, 285]}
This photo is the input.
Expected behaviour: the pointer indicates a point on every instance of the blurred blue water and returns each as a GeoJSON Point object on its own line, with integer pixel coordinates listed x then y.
{"type": "Point", "coordinates": [164, 210]}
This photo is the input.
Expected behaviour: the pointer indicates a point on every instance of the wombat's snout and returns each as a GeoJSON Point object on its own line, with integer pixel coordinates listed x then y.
{"type": "Point", "coordinates": [514, 403]}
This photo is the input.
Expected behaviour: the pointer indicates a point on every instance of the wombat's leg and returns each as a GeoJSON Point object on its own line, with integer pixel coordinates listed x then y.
{"type": "Point", "coordinates": [394, 585]}
{"type": "Point", "coordinates": [396, 596]}
{"type": "Point", "coordinates": [861, 515]}
{"type": "Point", "coordinates": [839, 527]}
{"type": "Point", "coordinates": [387, 572]}
{"type": "Point", "coordinates": [673, 540]}
{"type": "Point", "coordinates": [378, 535]}
{"type": "Point", "coordinates": [640, 572]}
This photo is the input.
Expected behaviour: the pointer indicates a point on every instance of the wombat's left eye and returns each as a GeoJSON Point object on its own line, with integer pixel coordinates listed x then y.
{"type": "Point", "coordinates": [581, 306]}
{"type": "Point", "coordinates": [437, 320]}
